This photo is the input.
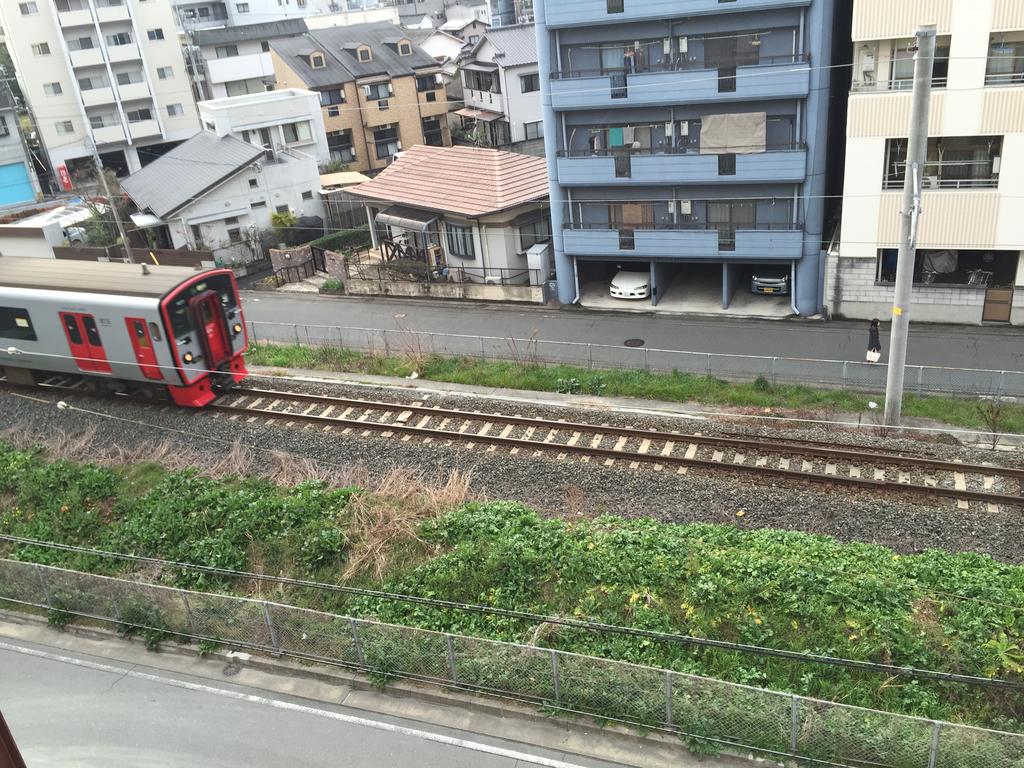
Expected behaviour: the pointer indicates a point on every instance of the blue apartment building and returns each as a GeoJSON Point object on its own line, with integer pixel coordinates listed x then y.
{"type": "Point", "coordinates": [687, 136]}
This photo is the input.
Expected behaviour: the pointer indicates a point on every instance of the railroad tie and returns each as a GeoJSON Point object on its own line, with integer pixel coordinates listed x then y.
{"type": "Point", "coordinates": [529, 433]}
{"type": "Point", "coordinates": [806, 466]}
{"type": "Point", "coordinates": [667, 449]}
{"type": "Point", "coordinates": [904, 478]}
{"type": "Point", "coordinates": [717, 456]}
{"type": "Point", "coordinates": [255, 403]}
{"type": "Point", "coordinates": [443, 424]}
{"type": "Point", "coordinates": [405, 438]}
{"type": "Point", "coordinates": [962, 504]}
{"type": "Point", "coordinates": [366, 415]}
{"type": "Point", "coordinates": [251, 419]}
{"type": "Point", "coordinates": [691, 451]}
{"type": "Point", "coordinates": [551, 436]}
{"type": "Point", "coordinates": [238, 400]}
{"type": "Point", "coordinates": [485, 428]}
{"type": "Point", "coordinates": [854, 471]}
{"type": "Point", "coordinates": [596, 441]}
{"type": "Point", "coordinates": [507, 430]}
{"type": "Point", "coordinates": [879, 474]}
{"type": "Point", "coordinates": [273, 405]}
{"type": "Point", "coordinates": [993, 509]}
{"type": "Point", "coordinates": [423, 422]}
{"type": "Point", "coordinates": [311, 407]}
{"type": "Point", "coordinates": [960, 481]}
{"type": "Point", "coordinates": [830, 468]}
{"type": "Point", "coordinates": [345, 413]}
{"type": "Point", "coordinates": [403, 417]}
{"type": "Point", "coordinates": [330, 409]}
{"type": "Point", "coordinates": [464, 427]}
{"type": "Point", "coordinates": [783, 463]}
{"type": "Point", "coordinates": [387, 434]}
{"type": "Point", "coordinates": [930, 481]}
{"type": "Point", "coordinates": [620, 443]}
{"type": "Point", "coordinates": [367, 432]}
{"type": "Point", "coordinates": [739, 458]}
{"type": "Point", "coordinates": [575, 438]}
{"type": "Point", "coordinates": [634, 465]}
{"type": "Point", "coordinates": [645, 445]}
{"type": "Point", "coordinates": [989, 481]}
{"type": "Point", "coordinates": [514, 451]}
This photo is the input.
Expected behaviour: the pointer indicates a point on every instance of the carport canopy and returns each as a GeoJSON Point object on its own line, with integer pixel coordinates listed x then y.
{"type": "Point", "coordinates": [406, 218]}
{"type": "Point", "coordinates": [478, 114]}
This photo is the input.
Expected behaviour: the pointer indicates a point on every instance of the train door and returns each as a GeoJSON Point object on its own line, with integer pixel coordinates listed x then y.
{"type": "Point", "coordinates": [142, 344]}
{"type": "Point", "coordinates": [84, 341]}
{"type": "Point", "coordinates": [213, 331]}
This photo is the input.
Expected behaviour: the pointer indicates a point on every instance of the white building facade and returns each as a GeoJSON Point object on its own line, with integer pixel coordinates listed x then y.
{"type": "Point", "coordinates": [105, 70]}
{"type": "Point", "coordinates": [970, 262]}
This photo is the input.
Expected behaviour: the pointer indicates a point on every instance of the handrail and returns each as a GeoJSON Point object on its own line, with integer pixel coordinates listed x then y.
{"type": "Point", "coordinates": [679, 66]}
{"type": "Point", "coordinates": [793, 146]}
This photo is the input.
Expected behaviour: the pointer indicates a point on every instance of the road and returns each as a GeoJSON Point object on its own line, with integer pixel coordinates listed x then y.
{"type": "Point", "coordinates": [991, 347]}
{"type": "Point", "coordinates": [70, 710]}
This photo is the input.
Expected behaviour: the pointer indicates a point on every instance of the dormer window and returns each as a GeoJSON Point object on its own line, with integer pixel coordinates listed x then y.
{"type": "Point", "coordinates": [317, 61]}
{"type": "Point", "coordinates": [404, 48]}
{"type": "Point", "coordinates": [363, 53]}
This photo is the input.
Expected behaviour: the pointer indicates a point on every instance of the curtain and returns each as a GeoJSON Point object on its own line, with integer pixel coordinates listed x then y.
{"type": "Point", "coordinates": [740, 134]}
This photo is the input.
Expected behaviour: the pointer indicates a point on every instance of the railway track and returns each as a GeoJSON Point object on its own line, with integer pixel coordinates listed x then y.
{"type": "Point", "coordinates": [865, 469]}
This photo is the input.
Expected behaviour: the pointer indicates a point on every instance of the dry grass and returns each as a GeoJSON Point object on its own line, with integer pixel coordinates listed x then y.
{"type": "Point", "coordinates": [386, 520]}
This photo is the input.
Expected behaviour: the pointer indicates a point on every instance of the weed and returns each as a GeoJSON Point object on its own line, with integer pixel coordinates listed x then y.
{"type": "Point", "coordinates": [208, 647]}
{"type": "Point", "coordinates": [761, 384]}
{"type": "Point", "coordinates": [570, 386]}
{"type": "Point", "coordinates": [146, 620]}
{"type": "Point", "coordinates": [596, 385]}
{"type": "Point", "coordinates": [57, 615]}
{"type": "Point", "coordinates": [332, 286]}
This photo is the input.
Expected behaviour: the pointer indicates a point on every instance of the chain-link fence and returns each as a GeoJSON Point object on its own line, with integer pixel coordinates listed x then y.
{"type": "Point", "coordinates": [725, 714]}
{"type": "Point", "coordinates": [860, 376]}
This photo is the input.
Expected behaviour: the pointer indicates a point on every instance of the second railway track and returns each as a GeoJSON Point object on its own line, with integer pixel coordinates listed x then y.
{"type": "Point", "coordinates": [865, 469]}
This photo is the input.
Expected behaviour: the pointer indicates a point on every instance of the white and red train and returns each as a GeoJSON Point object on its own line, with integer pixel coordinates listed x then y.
{"type": "Point", "coordinates": [125, 327]}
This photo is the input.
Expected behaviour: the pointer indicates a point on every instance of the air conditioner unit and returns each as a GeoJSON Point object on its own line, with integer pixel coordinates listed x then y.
{"type": "Point", "coordinates": [685, 207]}
{"type": "Point", "coordinates": [684, 127]}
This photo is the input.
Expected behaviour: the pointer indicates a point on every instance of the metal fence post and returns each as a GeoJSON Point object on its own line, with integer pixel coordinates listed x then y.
{"type": "Point", "coordinates": [794, 724]}
{"type": "Point", "coordinates": [669, 718]}
{"type": "Point", "coordinates": [295, 327]}
{"type": "Point", "coordinates": [846, 380]}
{"type": "Point", "coordinates": [557, 686]}
{"type": "Point", "coordinates": [933, 750]}
{"type": "Point", "coordinates": [188, 613]}
{"type": "Point", "coordinates": [451, 658]}
{"type": "Point", "coordinates": [707, 365]}
{"type": "Point", "coordinates": [483, 356]}
{"type": "Point", "coordinates": [920, 379]}
{"type": "Point", "coordinates": [1002, 383]}
{"type": "Point", "coordinates": [358, 645]}
{"type": "Point", "coordinates": [773, 370]}
{"type": "Point", "coordinates": [252, 330]}
{"type": "Point", "coordinates": [590, 356]}
{"type": "Point", "coordinates": [647, 359]}
{"type": "Point", "coordinates": [270, 628]}
{"type": "Point", "coordinates": [44, 584]}
{"type": "Point", "coordinates": [433, 349]}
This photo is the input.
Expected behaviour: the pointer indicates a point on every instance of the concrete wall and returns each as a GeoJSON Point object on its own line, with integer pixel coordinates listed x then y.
{"type": "Point", "coordinates": [25, 241]}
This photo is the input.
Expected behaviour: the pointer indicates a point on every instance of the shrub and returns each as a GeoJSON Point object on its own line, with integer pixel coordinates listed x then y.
{"type": "Point", "coordinates": [332, 285]}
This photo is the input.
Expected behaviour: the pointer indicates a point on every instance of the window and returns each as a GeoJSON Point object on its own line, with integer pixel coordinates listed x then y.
{"type": "Point", "coordinates": [4, 128]}
{"type": "Point", "coordinates": [405, 49]}
{"type": "Point", "coordinates": [333, 96]}
{"type": "Point", "coordinates": [64, 127]}
{"type": "Point", "coordinates": [364, 53]}
{"type": "Point", "coordinates": [615, 6]}
{"type": "Point", "coordinates": [89, 83]}
{"type": "Point", "coordinates": [242, 7]}
{"type": "Point", "coordinates": [951, 268]}
{"type": "Point", "coordinates": [300, 3]}
{"type": "Point", "coordinates": [474, 39]}
{"type": "Point", "coordinates": [155, 34]}
{"type": "Point", "coordinates": [529, 83]}
{"type": "Point", "coordinates": [175, 110]}
{"type": "Point", "coordinates": [533, 232]}
{"type": "Point", "coordinates": [727, 164]}
{"type": "Point", "coordinates": [432, 132]}
{"type": "Point", "coordinates": [533, 130]}
{"type": "Point", "coordinates": [385, 140]}
{"type": "Point", "coordinates": [235, 235]}
{"type": "Point", "coordinates": [953, 162]}
{"type": "Point", "coordinates": [482, 81]}
{"type": "Point", "coordinates": [377, 91]}
{"type": "Point", "coordinates": [231, 220]}
{"type": "Point", "coordinates": [81, 44]}
{"type": "Point", "coordinates": [282, 209]}
{"type": "Point", "coordinates": [265, 46]}
{"type": "Point", "coordinates": [340, 145]}
{"type": "Point", "coordinates": [1005, 60]}
{"type": "Point", "coordinates": [903, 65]}
{"type": "Point", "coordinates": [317, 61]}
{"type": "Point", "coordinates": [296, 132]}
{"type": "Point", "coordinates": [40, 49]}
{"type": "Point", "coordinates": [258, 204]}
{"type": "Point", "coordinates": [138, 115]}
{"type": "Point", "coordinates": [52, 89]}
{"type": "Point", "coordinates": [127, 78]}
{"type": "Point", "coordinates": [27, 9]}
{"type": "Point", "coordinates": [100, 121]}
{"type": "Point", "coordinates": [15, 323]}
{"type": "Point", "coordinates": [460, 240]}
{"type": "Point", "coordinates": [426, 83]}
{"type": "Point", "coordinates": [204, 13]}
{"type": "Point", "coordinates": [119, 38]}
{"type": "Point", "coordinates": [307, 195]}
{"type": "Point", "coordinates": [254, 183]}
{"type": "Point", "coordinates": [165, 73]}
{"type": "Point", "coordinates": [333, 111]}
{"type": "Point", "coordinates": [226, 51]}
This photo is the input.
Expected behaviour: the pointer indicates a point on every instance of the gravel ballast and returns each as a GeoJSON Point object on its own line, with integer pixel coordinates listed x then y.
{"type": "Point", "coordinates": [569, 487]}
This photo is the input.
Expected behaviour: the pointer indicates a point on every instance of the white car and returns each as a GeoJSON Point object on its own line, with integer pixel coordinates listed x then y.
{"type": "Point", "coordinates": [628, 284]}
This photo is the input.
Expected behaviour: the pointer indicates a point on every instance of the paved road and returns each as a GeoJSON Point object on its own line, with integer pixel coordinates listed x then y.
{"type": "Point", "coordinates": [67, 710]}
{"type": "Point", "coordinates": [996, 348]}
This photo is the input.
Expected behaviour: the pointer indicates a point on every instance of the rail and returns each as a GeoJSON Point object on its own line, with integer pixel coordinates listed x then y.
{"type": "Point", "coordinates": [791, 146]}
{"type": "Point", "coordinates": [721, 714]}
{"type": "Point", "coordinates": [680, 65]}
{"type": "Point", "coordinates": [682, 225]}
{"type": "Point", "coordinates": [848, 374]}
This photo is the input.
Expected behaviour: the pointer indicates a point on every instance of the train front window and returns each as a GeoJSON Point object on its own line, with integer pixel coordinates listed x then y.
{"type": "Point", "coordinates": [16, 324]}
{"type": "Point", "coordinates": [181, 319]}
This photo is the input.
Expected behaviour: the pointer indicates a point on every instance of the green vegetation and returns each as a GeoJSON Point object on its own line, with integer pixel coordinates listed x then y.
{"type": "Point", "coordinates": [936, 610]}
{"type": "Point", "coordinates": [344, 240]}
{"type": "Point", "coordinates": [672, 387]}
{"type": "Point", "coordinates": [332, 285]}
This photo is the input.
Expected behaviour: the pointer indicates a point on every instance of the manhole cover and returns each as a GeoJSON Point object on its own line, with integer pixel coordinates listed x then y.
{"type": "Point", "coordinates": [634, 342]}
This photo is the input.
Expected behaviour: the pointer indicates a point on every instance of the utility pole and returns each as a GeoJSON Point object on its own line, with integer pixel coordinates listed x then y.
{"type": "Point", "coordinates": [910, 212]}
{"type": "Point", "coordinates": [110, 200]}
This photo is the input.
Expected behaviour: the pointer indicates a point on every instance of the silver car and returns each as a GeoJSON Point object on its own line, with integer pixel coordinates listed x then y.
{"type": "Point", "coordinates": [770, 282]}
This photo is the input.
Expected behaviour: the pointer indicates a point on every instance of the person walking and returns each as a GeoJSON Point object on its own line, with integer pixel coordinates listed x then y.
{"type": "Point", "coordinates": [874, 342]}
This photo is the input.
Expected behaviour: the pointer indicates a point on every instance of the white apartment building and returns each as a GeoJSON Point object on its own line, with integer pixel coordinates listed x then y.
{"type": "Point", "coordinates": [236, 59]}
{"type": "Point", "coordinates": [196, 15]}
{"type": "Point", "coordinates": [289, 118]}
{"type": "Point", "coordinates": [969, 266]}
{"type": "Point", "coordinates": [105, 70]}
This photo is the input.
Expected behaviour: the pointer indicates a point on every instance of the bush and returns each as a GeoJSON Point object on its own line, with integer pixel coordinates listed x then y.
{"type": "Point", "coordinates": [344, 240]}
{"type": "Point", "coordinates": [332, 285]}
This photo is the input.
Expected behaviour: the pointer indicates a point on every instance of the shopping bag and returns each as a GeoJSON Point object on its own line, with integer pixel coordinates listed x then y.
{"type": "Point", "coordinates": [873, 356]}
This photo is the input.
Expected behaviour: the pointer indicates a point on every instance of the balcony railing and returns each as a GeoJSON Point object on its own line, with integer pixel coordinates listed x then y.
{"type": "Point", "coordinates": [681, 65]}
{"type": "Point", "coordinates": [666, 150]}
{"type": "Point", "coordinates": [886, 86]}
{"type": "Point", "coordinates": [991, 182]}
{"type": "Point", "coordinates": [1005, 78]}
{"type": "Point", "coordinates": [654, 226]}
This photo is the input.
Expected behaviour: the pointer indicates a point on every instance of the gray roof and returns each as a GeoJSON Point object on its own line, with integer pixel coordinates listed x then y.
{"type": "Point", "coordinates": [517, 42]}
{"type": "Point", "coordinates": [6, 98]}
{"type": "Point", "coordinates": [91, 276]}
{"type": "Point", "coordinates": [188, 171]}
{"type": "Point", "coordinates": [340, 43]}
{"type": "Point", "coordinates": [264, 31]}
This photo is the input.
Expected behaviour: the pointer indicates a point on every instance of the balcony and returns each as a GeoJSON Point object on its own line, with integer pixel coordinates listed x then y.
{"type": "Point", "coordinates": [119, 53]}
{"type": "Point", "coordinates": [778, 242]}
{"type": "Point", "coordinates": [109, 134]}
{"type": "Point", "coordinates": [90, 57]}
{"type": "Point", "coordinates": [80, 18]}
{"type": "Point", "coordinates": [144, 129]}
{"type": "Point", "coordinates": [782, 77]}
{"type": "Point", "coordinates": [492, 102]}
{"type": "Point", "coordinates": [576, 12]}
{"type": "Point", "coordinates": [133, 91]}
{"type": "Point", "coordinates": [105, 13]}
{"type": "Point", "coordinates": [778, 164]}
{"type": "Point", "coordinates": [233, 68]}
{"type": "Point", "coordinates": [97, 96]}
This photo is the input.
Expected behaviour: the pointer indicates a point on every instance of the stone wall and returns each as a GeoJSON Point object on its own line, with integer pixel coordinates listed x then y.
{"type": "Point", "coordinates": [289, 257]}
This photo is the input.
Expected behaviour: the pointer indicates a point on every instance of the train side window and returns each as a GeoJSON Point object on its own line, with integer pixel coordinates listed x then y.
{"type": "Point", "coordinates": [154, 331]}
{"type": "Point", "coordinates": [92, 331]}
{"type": "Point", "coordinates": [139, 328]}
{"type": "Point", "coordinates": [71, 323]}
{"type": "Point", "coordinates": [15, 323]}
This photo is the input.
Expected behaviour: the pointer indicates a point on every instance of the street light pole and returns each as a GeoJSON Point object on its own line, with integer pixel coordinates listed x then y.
{"type": "Point", "coordinates": [917, 150]}
{"type": "Point", "coordinates": [111, 204]}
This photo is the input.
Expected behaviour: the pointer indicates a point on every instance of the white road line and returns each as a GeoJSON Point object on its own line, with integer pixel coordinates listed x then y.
{"type": "Point", "coordinates": [300, 708]}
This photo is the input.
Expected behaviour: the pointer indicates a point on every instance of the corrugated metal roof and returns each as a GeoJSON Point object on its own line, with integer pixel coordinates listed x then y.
{"type": "Point", "coordinates": [263, 31]}
{"type": "Point", "coordinates": [518, 43]}
{"type": "Point", "coordinates": [91, 276]}
{"type": "Point", "coordinates": [188, 171]}
{"type": "Point", "coordinates": [470, 181]}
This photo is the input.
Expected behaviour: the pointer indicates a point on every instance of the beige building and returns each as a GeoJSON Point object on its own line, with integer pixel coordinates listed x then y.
{"type": "Point", "coordinates": [969, 266]}
{"type": "Point", "coordinates": [379, 91]}
{"type": "Point", "coordinates": [105, 70]}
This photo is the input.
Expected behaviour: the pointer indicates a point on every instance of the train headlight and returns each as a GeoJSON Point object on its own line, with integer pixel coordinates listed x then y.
{"type": "Point", "coordinates": [188, 357]}
{"type": "Point", "coordinates": [237, 328]}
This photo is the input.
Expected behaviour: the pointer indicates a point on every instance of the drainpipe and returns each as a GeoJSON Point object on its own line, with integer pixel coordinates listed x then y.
{"type": "Point", "coordinates": [576, 279]}
{"type": "Point", "coordinates": [792, 288]}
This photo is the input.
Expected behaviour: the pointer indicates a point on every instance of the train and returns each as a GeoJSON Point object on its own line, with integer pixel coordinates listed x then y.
{"type": "Point", "coordinates": [174, 332]}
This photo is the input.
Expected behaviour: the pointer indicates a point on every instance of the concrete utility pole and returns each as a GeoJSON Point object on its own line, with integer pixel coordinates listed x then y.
{"type": "Point", "coordinates": [110, 201]}
{"type": "Point", "coordinates": [917, 152]}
